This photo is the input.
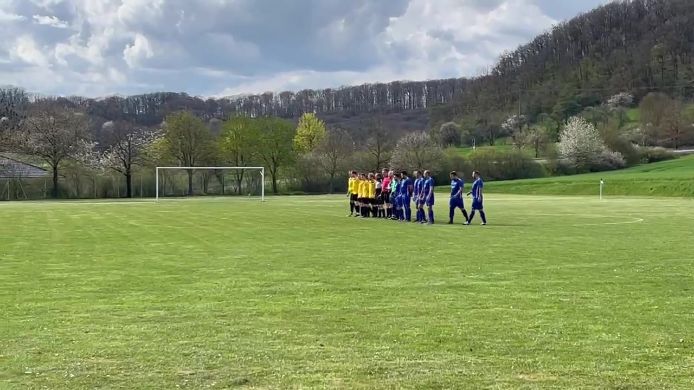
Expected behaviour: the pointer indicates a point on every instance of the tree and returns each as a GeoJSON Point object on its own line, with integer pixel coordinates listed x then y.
{"type": "Point", "coordinates": [379, 144]}
{"type": "Point", "coordinates": [239, 143]}
{"type": "Point", "coordinates": [54, 131]}
{"type": "Point", "coordinates": [515, 125]}
{"type": "Point", "coordinates": [658, 114]}
{"type": "Point", "coordinates": [538, 138]}
{"type": "Point", "coordinates": [309, 133]}
{"type": "Point", "coordinates": [620, 100]}
{"type": "Point", "coordinates": [275, 148]}
{"type": "Point", "coordinates": [13, 106]}
{"type": "Point", "coordinates": [333, 151]}
{"type": "Point", "coordinates": [416, 151]}
{"type": "Point", "coordinates": [450, 134]}
{"type": "Point", "coordinates": [188, 141]}
{"type": "Point", "coordinates": [582, 147]}
{"type": "Point", "coordinates": [128, 143]}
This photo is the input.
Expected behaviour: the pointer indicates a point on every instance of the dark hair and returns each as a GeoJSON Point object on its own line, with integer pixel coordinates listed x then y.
{"type": "Point", "coordinates": [454, 173]}
{"type": "Point", "coordinates": [477, 173]}
{"type": "Point", "coordinates": [403, 173]}
{"type": "Point", "coordinates": [354, 172]}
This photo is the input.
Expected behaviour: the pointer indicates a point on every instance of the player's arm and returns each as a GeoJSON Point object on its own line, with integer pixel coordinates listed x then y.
{"type": "Point", "coordinates": [459, 193]}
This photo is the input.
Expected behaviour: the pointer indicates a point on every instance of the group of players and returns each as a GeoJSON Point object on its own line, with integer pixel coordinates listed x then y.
{"type": "Point", "coordinates": [390, 195]}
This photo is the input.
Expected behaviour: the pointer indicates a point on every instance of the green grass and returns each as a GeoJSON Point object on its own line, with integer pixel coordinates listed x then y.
{"type": "Point", "coordinates": [667, 178]}
{"type": "Point", "coordinates": [564, 292]}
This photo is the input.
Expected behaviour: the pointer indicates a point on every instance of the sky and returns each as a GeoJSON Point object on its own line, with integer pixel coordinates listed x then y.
{"type": "Point", "coordinates": [219, 48]}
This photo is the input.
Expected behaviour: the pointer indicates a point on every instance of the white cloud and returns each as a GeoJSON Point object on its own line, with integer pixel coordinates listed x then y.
{"type": "Point", "coordinates": [8, 17]}
{"type": "Point", "coordinates": [140, 50]}
{"type": "Point", "coordinates": [223, 47]}
{"type": "Point", "coordinates": [50, 21]}
{"type": "Point", "coordinates": [25, 49]}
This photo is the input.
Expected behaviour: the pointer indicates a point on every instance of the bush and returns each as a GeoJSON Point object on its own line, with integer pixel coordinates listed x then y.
{"type": "Point", "coordinates": [651, 155]}
{"type": "Point", "coordinates": [608, 161]}
{"type": "Point", "coordinates": [505, 165]}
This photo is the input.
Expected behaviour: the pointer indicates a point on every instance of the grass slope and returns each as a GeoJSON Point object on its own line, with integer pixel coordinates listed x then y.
{"type": "Point", "coordinates": [667, 178]}
{"type": "Point", "coordinates": [220, 293]}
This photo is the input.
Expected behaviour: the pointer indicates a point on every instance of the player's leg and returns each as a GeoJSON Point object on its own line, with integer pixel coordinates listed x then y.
{"type": "Point", "coordinates": [452, 205]}
{"type": "Point", "coordinates": [408, 209]}
{"type": "Point", "coordinates": [430, 207]}
{"type": "Point", "coordinates": [462, 207]}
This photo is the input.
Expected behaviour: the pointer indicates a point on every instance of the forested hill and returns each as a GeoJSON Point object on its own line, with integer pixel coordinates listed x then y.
{"type": "Point", "coordinates": [337, 106]}
{"type": "Point", "coordinates": [636, 46]}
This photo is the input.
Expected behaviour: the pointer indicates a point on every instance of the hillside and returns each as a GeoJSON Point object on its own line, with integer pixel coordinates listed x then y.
{"type": "Point", "coordinates": [635, 46]}
{"type": "Point", "coordinates": [667, 178]}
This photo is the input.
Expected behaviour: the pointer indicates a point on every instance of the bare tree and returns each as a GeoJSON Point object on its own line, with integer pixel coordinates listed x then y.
{"type": "Point", "coordinates": [54, 132]}
{"type": "Point", "coordinates": [379, 144]}
{"type": "Point", "coordinates": [333, 151]}
{"type": "Point", "coordinates": [128, 143]}
{"type": "Point", "coordinates": [417, 151]}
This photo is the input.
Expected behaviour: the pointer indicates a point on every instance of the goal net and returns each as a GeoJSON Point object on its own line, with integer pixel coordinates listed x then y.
{"type": "Point", "coordinates": [210, 181]}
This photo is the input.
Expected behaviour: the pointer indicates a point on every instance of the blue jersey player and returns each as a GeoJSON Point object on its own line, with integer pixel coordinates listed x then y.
{"type": "Point", "coordinates": [477, 198]}
{"type": "Point", "coordinates": [428, 193]}
{"type": "Point", "coordinates": [456, 201]}
{"type": "Point", "coordinates": [405, 198]}
{"type": "Point", "coordinates": [419, 196]}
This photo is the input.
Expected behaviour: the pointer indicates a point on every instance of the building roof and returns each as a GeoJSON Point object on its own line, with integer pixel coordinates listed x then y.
{"type": "Point", "coordinates": [15, 169]}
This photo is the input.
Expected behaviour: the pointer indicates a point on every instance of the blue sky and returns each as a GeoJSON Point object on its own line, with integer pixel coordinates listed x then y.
{"type": "Point", "coordinates": [229, 47]}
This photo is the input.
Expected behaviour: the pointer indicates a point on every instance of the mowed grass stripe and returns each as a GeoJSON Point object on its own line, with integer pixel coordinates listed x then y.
{"type": "Point", "coordinates": [291, 293]}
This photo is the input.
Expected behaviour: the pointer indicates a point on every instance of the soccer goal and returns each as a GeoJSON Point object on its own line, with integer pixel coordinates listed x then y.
{"type": "Point", "coordinates": [210, 181]}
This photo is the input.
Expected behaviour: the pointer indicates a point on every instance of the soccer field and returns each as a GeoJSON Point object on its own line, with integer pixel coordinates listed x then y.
{"type": "Point", "coordinates": [567, 292]}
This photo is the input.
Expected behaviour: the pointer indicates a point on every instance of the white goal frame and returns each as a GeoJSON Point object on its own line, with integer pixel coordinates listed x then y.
{"type": "Point", "coordinates": [261, 169]}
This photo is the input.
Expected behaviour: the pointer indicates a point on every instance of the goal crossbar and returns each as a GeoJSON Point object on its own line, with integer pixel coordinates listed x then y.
{"type": "Point", "coordinates": [261, 169]}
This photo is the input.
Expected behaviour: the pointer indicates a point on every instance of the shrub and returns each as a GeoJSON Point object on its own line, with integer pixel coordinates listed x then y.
{"type": "Point", "coordinates": [608, 161]}
{"type": "Point", "coordinates": [655, 154]}
{"type": "Point", "coordinates": [506, 165]}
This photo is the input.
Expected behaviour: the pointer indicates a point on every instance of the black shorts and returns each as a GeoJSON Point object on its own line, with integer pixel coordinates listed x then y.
{"type": "Point", "coordinates": [353, 197]}
{"type": "Point", "coordinates": [385, 195]}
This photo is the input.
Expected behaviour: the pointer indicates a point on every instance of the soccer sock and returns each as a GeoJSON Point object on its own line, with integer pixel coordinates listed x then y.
{"type": "Point", "coordinates": [408, 213]}
{"type": "Point", "coordinates": [472, 215]}
{"type": "Point", "coordinates": [374, 211]}
{"type": "Point", "coordinates": [465, 214]}
{"type": "Point", "coordinates": [483, 216]}
{"type": "Point", "coordinates": [451, 214]}
{"type": "Point", "coordinates": [431, 215]}
{"type": "Point", "coordinates": [351, 208]}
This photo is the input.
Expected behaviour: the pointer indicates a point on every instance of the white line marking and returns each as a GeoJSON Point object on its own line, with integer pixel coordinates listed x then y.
{"type": "Point", "coordinates": [634, 220]}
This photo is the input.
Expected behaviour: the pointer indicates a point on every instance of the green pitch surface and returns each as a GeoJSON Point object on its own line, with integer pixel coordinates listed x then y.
{"type": "Point", "coordinates": [557, 292]}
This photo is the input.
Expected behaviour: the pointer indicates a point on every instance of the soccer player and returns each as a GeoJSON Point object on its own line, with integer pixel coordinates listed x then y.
{"type": "Point", "coordinates": [394, 197]}
{"type": "Point", "coordinates": [387, 178]}
{"type": "Point", "coordinates": [379, 196]}
{"type": "Point", "coordinates": [477, 198]}
{"type": "Point", "coordinates": [419, 197]}
{"type": "Point", "coordinates": [361, 195]}
{"type": "Point", "coordinates": [416, 192]}
{"type": "Point", "coordinates": [371, 195]}
{"type": "Point", "coordinates": [405, 198]}
{"type": "Point", "coordinates": [456, 202]}
{"type": "Point", "coordinates": [429, 195]}
{"type": "Point", "coordinates": [352, 193]}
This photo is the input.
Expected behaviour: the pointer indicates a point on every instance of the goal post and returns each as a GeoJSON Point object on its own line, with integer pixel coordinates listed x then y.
{"type": "Point", "coordinates": [261, 170]}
